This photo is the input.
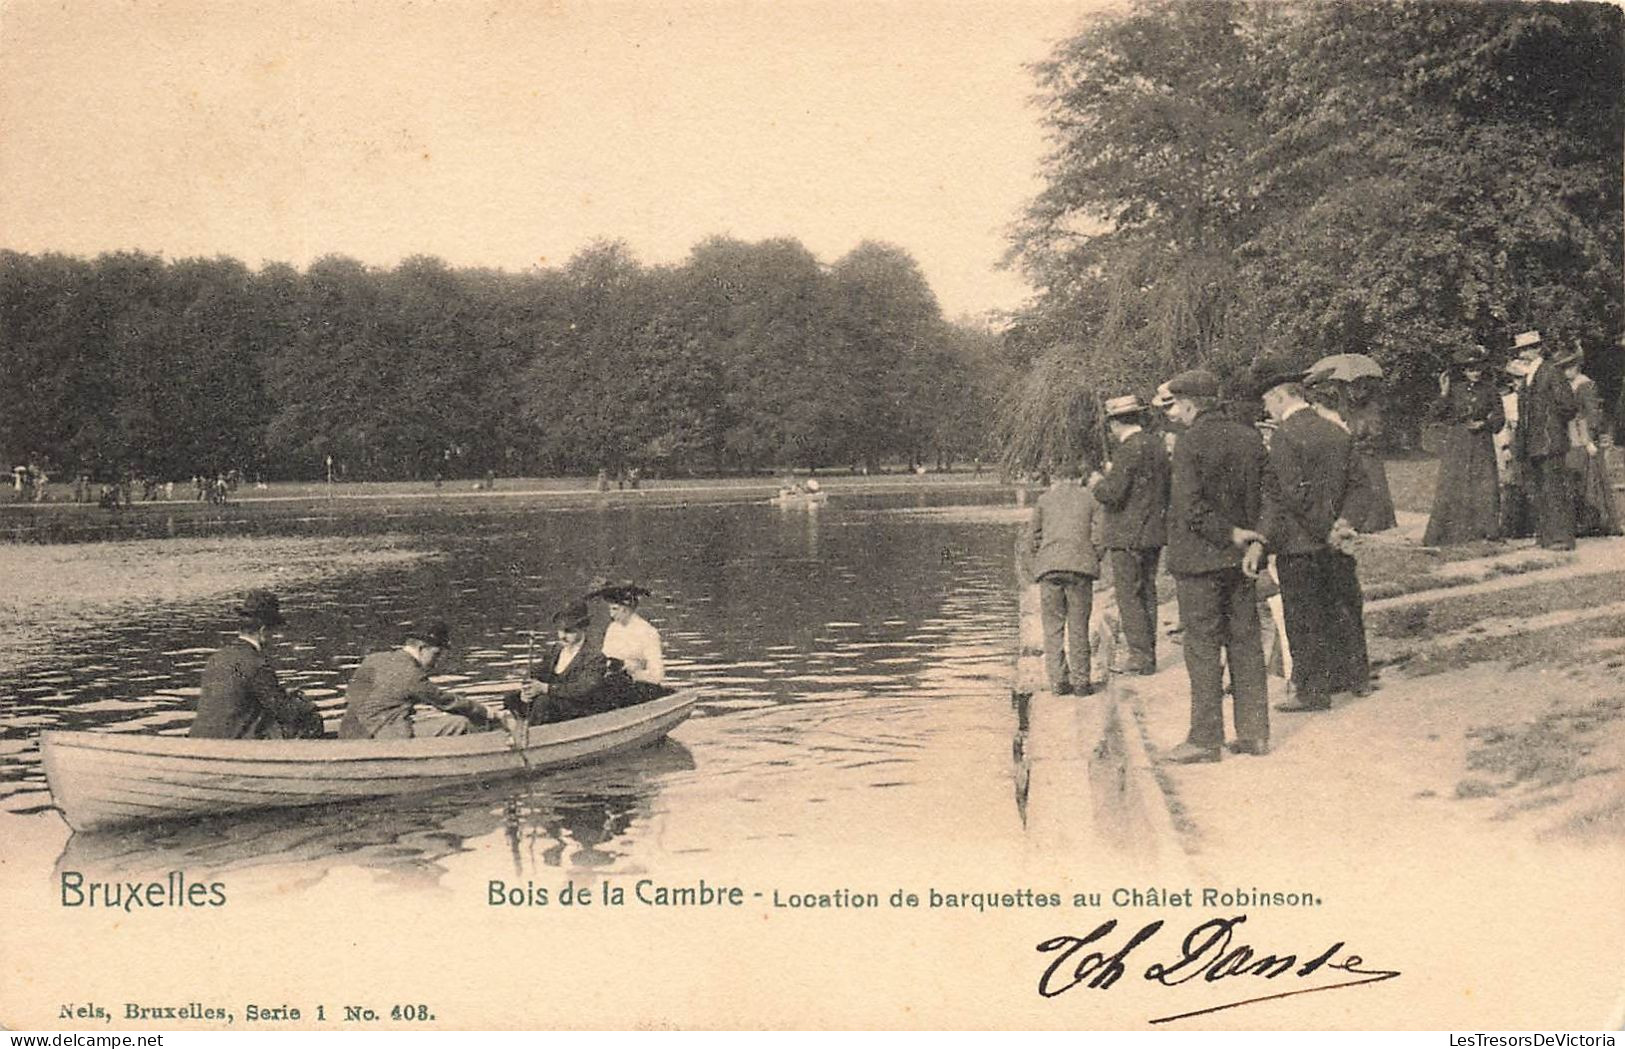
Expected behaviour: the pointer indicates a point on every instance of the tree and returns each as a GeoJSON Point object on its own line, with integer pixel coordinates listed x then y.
{"type": "Point", "coordinates": [1233, 179]}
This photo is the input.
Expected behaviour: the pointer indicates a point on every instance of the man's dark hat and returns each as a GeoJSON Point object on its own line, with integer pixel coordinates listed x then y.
{"type": "Point", "coordinates": [620, 593]}
{"type": "Point", "coordinates": [1471, 357]}
{"type": "Point", "coordinates": [436, 634]}
{"type": "Point", "coordinates": [574, 616]}
{"type": "Point", "coordinates": [1198, 382]}
{"type": "Point", "coordinates": [262, 608]}
{"type": "Point", "coordinates": [1267, 376]}
{"type": "Point", "coordinates": [1565, 357]}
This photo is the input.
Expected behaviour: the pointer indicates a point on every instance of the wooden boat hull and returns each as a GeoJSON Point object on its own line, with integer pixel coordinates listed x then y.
{"type": "Point", "coordinates": [801, 499]}
{"type": "Point", "coordinates": [102, 779]}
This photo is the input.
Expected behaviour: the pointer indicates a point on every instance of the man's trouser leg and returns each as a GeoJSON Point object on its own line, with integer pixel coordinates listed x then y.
{"type": "Point", "coordinates": [1245, 648]}
{"type": "Point", "coordinates": [1352, 662]}
{"type": "Point", "coordinates": [1202, 613]}
{"type": "Point", "coordinates": [1311, 627]}
{"type": "Point", "coordinates": [1134, 575]}
{"type": "Point", "coordinates": [1052, 611]}
{"type": "Point", "coordinates": [1080, 600]}
{"type": "Point", "coordinates": [441, 725]}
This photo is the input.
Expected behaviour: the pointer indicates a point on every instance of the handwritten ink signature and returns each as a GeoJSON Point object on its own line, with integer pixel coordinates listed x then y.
{"type": "Point", "coordinates": [1206, 954]}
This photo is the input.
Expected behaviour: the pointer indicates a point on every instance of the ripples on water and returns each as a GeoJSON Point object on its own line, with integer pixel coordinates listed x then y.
{"type": "Point", "coordinates": [835, 648]}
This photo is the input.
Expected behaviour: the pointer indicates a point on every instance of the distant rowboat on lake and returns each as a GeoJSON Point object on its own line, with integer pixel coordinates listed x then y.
{"type": "Point", "coordinates": [103, 779]}
{"type": "Point", "coordinates": [794, 498]}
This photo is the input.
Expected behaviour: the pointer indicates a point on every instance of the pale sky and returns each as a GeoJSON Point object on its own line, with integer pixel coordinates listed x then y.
{"type": "Point", "coordinates": [513, 134]}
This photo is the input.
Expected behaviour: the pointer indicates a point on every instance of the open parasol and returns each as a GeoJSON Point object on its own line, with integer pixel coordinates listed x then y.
{"type": "Point", "coordinates": [1347, 367]}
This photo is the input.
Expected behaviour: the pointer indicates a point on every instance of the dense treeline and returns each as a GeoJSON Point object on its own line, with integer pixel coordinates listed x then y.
{"type": "Point", "coordinates": [746, 356]}
{"type": "Point", "coordinates": [1236, 178]}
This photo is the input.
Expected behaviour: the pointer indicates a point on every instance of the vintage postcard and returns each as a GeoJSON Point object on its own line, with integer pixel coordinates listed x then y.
{"type": "Point", "coordinates": [902, 515]}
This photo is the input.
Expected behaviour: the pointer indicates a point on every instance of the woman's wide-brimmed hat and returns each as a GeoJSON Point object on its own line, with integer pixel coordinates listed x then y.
{"type": "Point", "coordinates": [620, 593]}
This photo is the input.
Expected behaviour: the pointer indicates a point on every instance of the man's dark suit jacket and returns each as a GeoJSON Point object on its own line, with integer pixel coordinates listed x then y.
{"type": "Point", "coordinates": [591, 684]}
{"type": "Point", "coordinates": [1219, 470]}
{"type": "Point", "coordinates": [1312, 460]}
{"type": "Point", "coordinates": [240, 698]}
{"type": "Point", "coordinates": [1545, 406]}
{"type": "Point", "coordinates": [1135, 494]}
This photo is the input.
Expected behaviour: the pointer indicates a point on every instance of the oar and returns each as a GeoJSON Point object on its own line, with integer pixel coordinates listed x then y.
{"type": "Point", "coordinates": [530, 670]}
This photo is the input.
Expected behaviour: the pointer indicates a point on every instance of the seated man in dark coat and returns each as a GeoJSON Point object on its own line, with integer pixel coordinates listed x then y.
{"type": "Point", "coordinates": [240, 697]}
{"type": "Point", "coordinates": [388, 685]}
{"type": "Point", "coordinates": [572, 678]}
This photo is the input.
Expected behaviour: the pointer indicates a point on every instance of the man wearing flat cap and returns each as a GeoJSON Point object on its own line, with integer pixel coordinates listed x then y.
{"type": "Point", "coordinates": [1214, 551]}
{"type": "Point", "coordinates": [571, 679]}
{"type": "Point", "coordinates": [240, 696]}
{"type": "Point", "coordinates": [387, 687]}
{"type": "Point", "coordinates": [1312, 462]}
{"type": "Point", "coordinates": [1546, 405]}
{"type": "Point", "coordinates": [1134, 493]}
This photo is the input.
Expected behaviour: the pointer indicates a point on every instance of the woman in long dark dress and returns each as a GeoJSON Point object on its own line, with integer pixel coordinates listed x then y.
{"type": "Point", "coordinates": [1594, 512]}
{"type": "Point", "coordinates": [1467, 501]}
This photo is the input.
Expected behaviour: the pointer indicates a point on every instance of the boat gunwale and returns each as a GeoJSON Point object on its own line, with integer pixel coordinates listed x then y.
{"type": "Point", "coordinates": [540, 737]}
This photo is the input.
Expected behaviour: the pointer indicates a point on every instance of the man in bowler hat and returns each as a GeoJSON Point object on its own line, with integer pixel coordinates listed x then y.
{"type": "Point", "coordinates": [387, 687]}
{"type": "Point", "coordinates": [572, 679]}
{"type": "Point", "coordinates": [1134, 493]}
{"type": "Point", "coordinates": [1215, 508]}
{"type": "Point", "coordinates": [240, 696]}
{"type": "Point", "coordinates": [1312, 459]}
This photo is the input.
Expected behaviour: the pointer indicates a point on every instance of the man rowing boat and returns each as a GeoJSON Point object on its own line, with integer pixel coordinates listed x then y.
{"type": "Point", "coordinates": [240, 696]}
{"type": "Point", "coordinates": [388, 685]}
{"type": "Point", "coordinates": [573, 678]}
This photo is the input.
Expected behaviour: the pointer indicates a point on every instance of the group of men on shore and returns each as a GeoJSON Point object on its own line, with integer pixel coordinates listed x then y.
{"type": "Point", "coordinates": [1230, 501]}
{"type": "Point", "coordinates": [574, 676]}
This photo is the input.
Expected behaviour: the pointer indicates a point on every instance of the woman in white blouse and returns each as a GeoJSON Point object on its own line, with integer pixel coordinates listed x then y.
{"type": "Point", "coordinates": [629, 637]}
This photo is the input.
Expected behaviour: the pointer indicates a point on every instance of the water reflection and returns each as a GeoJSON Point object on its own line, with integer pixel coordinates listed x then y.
{"type": "Point", "coordinates": [831, 646]}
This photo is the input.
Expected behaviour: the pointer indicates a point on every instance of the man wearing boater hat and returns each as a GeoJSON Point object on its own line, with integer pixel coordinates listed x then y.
{"type": "Point", "coordinates": [1214, 551]}
{"type": "Point", "coordinates": [571, 679]}
{"type": "Point", "coordinates": [1134, 492]}
{"type": "Point", "coordinates": [1313, 463]}
{"type": "Point", "coordinates": [1546, 404]}
{"type": "Point", "coordinates": [240, 696]}
{"type": "Point", "coordinates": [387, 686]}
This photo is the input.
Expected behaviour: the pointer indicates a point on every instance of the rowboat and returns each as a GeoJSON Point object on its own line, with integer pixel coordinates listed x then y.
{"type": "Point", "coordinates": [101, 779]}
{"type": "Point", "coordinates": [800, 498]}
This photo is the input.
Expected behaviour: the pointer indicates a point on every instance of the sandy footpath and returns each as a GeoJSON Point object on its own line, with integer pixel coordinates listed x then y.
{"type": "Point", "coordinates": [53, 593]}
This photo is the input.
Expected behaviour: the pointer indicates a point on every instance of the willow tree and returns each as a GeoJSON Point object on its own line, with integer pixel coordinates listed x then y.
{"type": "Point", "coordinates": [1153, 117]}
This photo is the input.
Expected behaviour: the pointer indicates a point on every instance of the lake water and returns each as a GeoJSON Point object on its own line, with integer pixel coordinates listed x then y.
{"type": "Point", "coordinates": [855, 660]}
